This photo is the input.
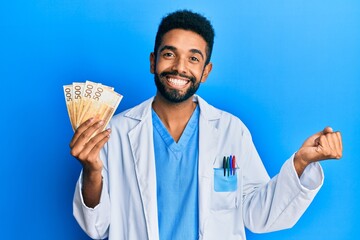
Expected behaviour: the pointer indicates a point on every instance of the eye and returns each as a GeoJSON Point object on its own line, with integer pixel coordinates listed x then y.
{"type": "Point", "coordinates": [194, 59]}
{"type": "Point", "coordinates": [168, 55]}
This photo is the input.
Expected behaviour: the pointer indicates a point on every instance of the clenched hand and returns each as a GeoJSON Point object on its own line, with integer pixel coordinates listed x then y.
{"type": "Point", "coordinates": [323, 145]}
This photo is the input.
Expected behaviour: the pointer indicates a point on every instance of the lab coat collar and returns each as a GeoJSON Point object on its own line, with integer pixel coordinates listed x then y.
{"type": "Point", "coordinates": [207, 111]}
{"type": "Point", "coordinates": [143, 110]}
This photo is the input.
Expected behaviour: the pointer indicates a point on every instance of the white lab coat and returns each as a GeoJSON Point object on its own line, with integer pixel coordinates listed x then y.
{"type": "Point", "coordinates": [128, 204]}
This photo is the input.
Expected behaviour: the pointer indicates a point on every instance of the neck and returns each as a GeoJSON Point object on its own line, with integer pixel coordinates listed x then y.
{"type": "Point", "coordinates": [174, 116]}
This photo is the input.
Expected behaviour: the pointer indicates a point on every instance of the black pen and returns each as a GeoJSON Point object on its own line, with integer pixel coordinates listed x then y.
{"type": "Point", "coordinates": [224, 165]}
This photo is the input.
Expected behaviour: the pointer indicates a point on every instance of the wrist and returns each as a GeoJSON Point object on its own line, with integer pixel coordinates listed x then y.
{"type": "Point", "coordinates": [299, 163]}
{"type": "Point", "coordinates": [91, 187]}
{"type": "Point", "coordinates": [93, 176]}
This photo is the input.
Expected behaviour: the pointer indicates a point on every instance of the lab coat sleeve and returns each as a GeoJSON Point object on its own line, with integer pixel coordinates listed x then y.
{"type": "Point", "coordinates": [278, 203]}
{"type": "Point", "coordinates": [94, 221]}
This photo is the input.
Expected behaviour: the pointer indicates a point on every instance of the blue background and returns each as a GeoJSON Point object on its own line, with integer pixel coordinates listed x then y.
{"type": "Point", "coordinates": [286, 68]}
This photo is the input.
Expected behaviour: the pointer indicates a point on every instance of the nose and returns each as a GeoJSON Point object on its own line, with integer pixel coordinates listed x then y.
{"type": "Point", "coordinates": [180, 65]}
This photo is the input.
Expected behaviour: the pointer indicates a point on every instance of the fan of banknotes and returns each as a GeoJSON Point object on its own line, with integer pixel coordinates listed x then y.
{"type": "Point", "coordinates": [90, 100]}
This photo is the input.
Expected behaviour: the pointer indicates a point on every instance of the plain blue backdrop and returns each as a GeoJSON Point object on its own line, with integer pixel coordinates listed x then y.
{"type": "Point", "coordinates": [286, 68]}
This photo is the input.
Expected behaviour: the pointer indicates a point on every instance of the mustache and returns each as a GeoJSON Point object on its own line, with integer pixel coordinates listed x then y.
{"type": "Point", "coordinates": [176, 73]}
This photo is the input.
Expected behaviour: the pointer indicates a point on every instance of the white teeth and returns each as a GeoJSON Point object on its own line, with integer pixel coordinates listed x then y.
{"type": "Point", "coordinates": [177, 82]}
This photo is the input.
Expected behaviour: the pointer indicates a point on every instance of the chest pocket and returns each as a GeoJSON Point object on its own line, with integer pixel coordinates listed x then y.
{"type": "Point", "coordinates": [224, 192]}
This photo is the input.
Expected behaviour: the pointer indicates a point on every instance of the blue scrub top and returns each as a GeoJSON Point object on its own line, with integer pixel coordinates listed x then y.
{"type": "Point", "coordinates": [177, 179]}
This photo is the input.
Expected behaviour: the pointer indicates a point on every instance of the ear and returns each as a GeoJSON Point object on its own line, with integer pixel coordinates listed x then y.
{"type": "Point", "coordinates": [152, 62]}
{"type": "Point", "coordinates": [207, 70]}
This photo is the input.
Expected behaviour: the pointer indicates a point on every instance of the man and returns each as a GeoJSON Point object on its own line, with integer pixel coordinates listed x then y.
{"type": "Point", "coordinates": [168, 170]}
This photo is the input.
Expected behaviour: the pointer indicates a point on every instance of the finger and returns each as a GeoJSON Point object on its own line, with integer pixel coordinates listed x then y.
{"type": "Point", "coordinates": [317, 141]}
{"type": "Point", "coordinates": [324, 149]}
{"type": "Point", "coordinates": [94, 153]}
{"type": "Point", "coordinates": [330, 146]}
{"type": "Point", "coordinates": [93, 147]}
{"type": "Point", "coordinates": [84, 137]}
{"type": "Point", "coordinates": [335, 144]}
{"type": "Point", "coordinates": [323, 144]}
{"type": "Point", "coordinates": [80, 130]}
{"type": "Point", "coordinates": [89, 132]}
{"type": "Point", "coordinates": [327, 130]}
{"type": "Point", "coordinates": [332, 139]}
{"type": "Point", "coordinates": [313, 140]}
{"type": "Point", "coordinates": [339, 143]}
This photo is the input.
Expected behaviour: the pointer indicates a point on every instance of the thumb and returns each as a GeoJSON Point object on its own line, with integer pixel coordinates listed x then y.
{"type": "Point", "coordinates": [323, 132]}
{"type": "Point", "coordinates": [309, 154]}
{"type": "Point", "coordinates": [313, 140]}
{"type": "Point", "coordinates": [328, 130]}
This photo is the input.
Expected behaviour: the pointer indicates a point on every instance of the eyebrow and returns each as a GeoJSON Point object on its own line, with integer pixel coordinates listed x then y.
{"type": "Point", "coordinates": [172, 48]}
{"type": "Point", "coordinates": [197, 51]}
{"type": "Point", "coordinates": [167, 47]}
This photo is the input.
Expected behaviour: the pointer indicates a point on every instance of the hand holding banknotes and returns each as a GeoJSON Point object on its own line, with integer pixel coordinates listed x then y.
{"type": "Point", "coordinates": [87, 151]}
{"type": "Point", "coordinates": [90, 107]}
{"type": "Point", "coordinates": [86, 148]}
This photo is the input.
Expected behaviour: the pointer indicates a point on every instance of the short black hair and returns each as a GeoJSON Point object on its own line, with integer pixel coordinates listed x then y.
{"type": "Point", "coordinates": [187, 20]}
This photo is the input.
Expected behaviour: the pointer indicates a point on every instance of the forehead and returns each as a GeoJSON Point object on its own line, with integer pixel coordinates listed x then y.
{"type": "Point", "coordinates": [184, 40]}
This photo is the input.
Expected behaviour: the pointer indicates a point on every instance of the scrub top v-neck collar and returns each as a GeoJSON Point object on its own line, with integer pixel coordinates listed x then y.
{"type": "Point", "coordinates": [185, 136]}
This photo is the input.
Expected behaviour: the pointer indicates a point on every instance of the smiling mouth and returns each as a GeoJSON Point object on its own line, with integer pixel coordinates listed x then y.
{"type": "Point", "coordinates": [177, 82]}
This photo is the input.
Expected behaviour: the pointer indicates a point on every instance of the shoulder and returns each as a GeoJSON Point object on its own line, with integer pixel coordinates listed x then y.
{"type": "Point", "coordinates": [132, 116]}
{"type": "Point", "coordinates": [221, 119]}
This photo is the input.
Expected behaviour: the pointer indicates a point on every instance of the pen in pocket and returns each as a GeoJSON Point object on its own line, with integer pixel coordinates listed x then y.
{"type": "Point", "coordinates": [229, 165]}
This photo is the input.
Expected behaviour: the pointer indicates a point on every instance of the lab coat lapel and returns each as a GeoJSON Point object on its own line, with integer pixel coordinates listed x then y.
{"type": "Point", "coordinates": [141, 141]}
{"type": "Point", "coordinates": [208, 142]}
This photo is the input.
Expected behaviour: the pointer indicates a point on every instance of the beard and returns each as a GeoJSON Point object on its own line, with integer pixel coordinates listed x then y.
{"type": "Point", "coordinates": [174, 95]}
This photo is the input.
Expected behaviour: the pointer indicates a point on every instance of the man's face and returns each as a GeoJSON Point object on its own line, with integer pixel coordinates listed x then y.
{"type": "Point", "coordinates": [179, 65]}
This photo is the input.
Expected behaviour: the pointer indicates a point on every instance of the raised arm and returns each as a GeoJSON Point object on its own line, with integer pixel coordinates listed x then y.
{"type": "Point", "coordinates": [86, 149]}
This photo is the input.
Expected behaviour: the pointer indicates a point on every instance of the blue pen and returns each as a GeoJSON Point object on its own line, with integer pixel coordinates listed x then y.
{"type": "Point", "coordinates": [230, 165]}
{"type": "Point", "coordinates": [227, 165]}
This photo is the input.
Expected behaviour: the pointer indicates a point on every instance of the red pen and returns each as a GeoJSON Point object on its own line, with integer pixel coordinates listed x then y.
{"type": "Point", "coordinates": [233, 164]}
